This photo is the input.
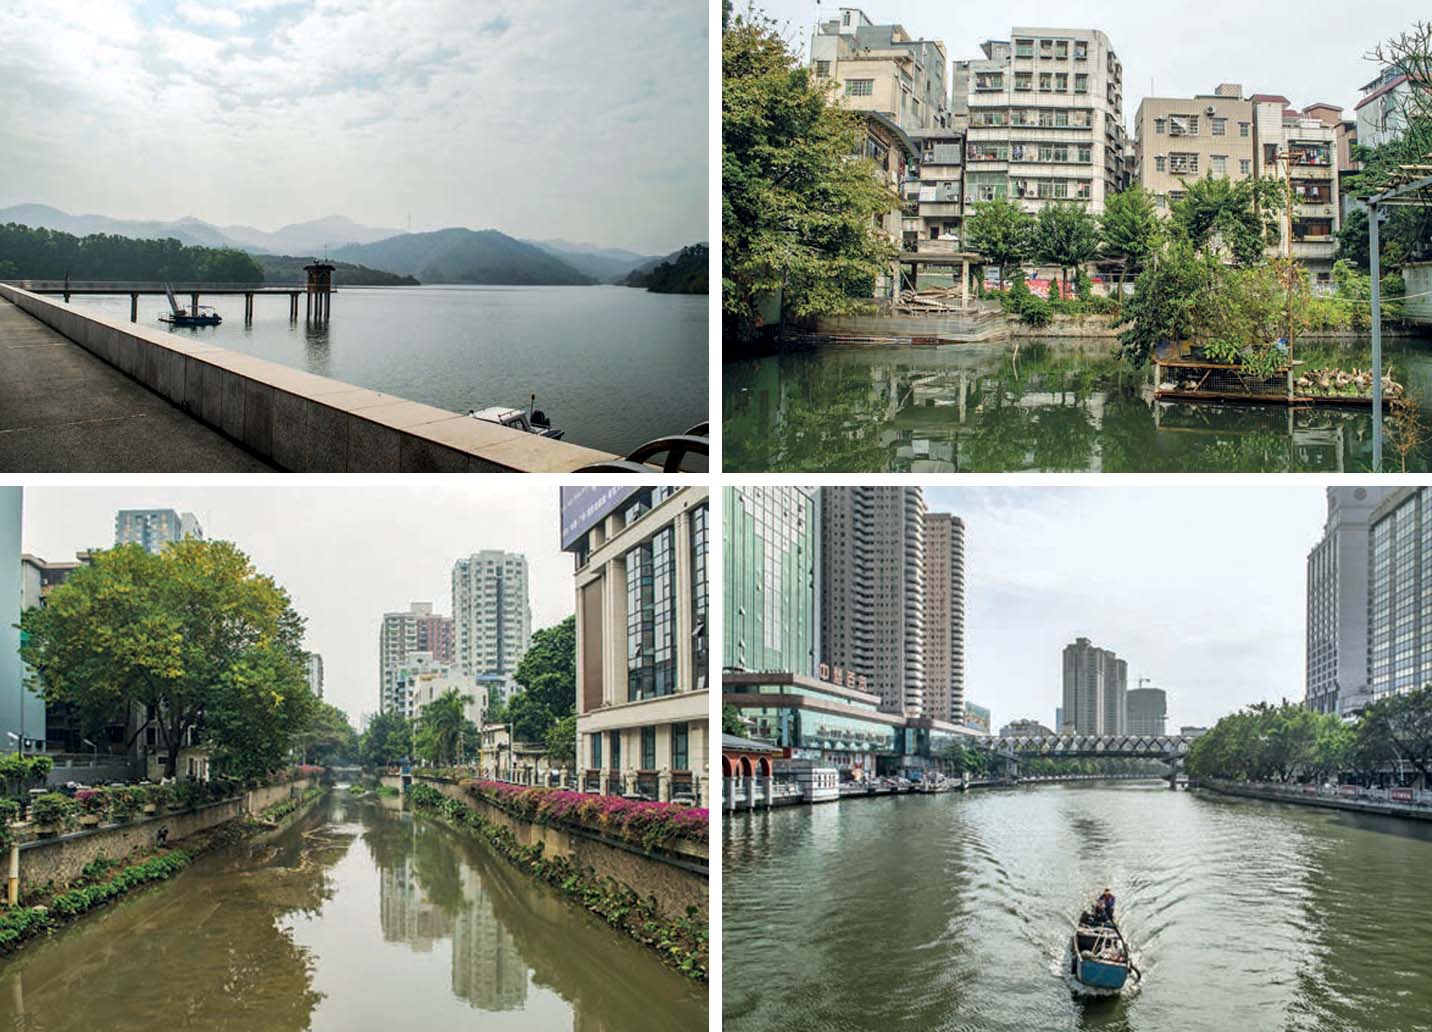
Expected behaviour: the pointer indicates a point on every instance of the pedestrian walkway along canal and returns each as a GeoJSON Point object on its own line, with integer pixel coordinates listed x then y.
{"type": "Point", "coordinates": [357, 917]}
{"type": "Point", "coordinates": [952, 912]}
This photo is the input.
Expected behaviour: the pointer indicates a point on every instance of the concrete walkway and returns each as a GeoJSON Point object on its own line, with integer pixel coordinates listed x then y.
{"type": "Point", "coordinates": [62, 410]}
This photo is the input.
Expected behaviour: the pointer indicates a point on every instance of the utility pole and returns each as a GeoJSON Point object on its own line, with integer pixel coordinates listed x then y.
{"type": "Point", "coordinates": [1287, 159]}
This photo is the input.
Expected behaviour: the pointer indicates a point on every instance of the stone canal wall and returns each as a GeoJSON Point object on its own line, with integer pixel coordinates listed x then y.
{"type": "Point", "coordinates": [298, 421]}
{"type": "Point", "coordinates": [677, 880]}
{"type": "Point", "coordinates": [1376, 801]}
{"type": "Point", "coordinates": [60, 860]}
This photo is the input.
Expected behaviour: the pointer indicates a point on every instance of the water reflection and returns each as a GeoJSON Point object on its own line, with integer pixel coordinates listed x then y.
{"type": "Point", "coordinates": [1053, 406]}
{"type": "Point", "coordinates": [360, 917]}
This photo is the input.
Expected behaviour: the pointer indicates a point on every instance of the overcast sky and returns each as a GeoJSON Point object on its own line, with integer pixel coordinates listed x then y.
{"type": "Point", "coordinates": [1307, 50]}
{"type": "Point", "coordinates": [1200, 589]}
{"type": "Point", "coordinates": [540, 118]}
{"type": "Point", "coordinates": [345, 555]}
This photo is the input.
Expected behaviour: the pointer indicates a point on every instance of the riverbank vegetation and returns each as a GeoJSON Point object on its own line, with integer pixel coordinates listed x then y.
{"type": "Point", "coordinates": [1290, 743]}
{"type": "Point", "coordinates": [49, 254]}
{"type": "Point", "coordinates": [688, 271]}
{"type": "Point", "coordinates": [682, 942]}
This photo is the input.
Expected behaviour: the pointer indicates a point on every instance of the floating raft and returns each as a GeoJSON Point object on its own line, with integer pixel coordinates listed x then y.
{"type": "Point", "coordinates": [1180, 375]}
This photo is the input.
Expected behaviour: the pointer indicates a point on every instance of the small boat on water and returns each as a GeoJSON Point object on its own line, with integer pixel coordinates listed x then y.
{"type": "Point", "coordinates": [532, 420]}
{"type": "Point", "coordinates": [198, 315]}
{"type": "Point", "coordinates": [1099, 959]}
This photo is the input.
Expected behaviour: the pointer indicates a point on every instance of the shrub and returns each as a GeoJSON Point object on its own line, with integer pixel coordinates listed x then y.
{"type": "Point", "coordinates": [157, 795]}
{"type": "Point", "coordinates": [54, 810]}
{"type": "Point", "coordinates": [125, 801]}
{"type": "Point", "coordinates": [93, 802]}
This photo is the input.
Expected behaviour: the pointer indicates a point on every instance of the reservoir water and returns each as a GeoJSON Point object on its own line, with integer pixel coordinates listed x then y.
{"type": "Point", "coordinates": [952, 912]}
{"type": "Point", "coordinates": [612, 366]}
{"type": "Point", "coordinates": [357, 917]}
{"type": "Point", "coordinates": [1058, 405]}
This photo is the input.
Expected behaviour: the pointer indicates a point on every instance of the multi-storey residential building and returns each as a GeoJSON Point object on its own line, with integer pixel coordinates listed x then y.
{"type": "Point", "coordinates": [421, 678]}
{"type": "Point", "coordinates": [932, 192]}
{"type": "Point", "coordinates": [152, 529]}
{"type": "Point", "coordinates": [313, 670]}
{"type": "Point", "coordinates": [1095, 690]}
{"type": "Point", "coordinates": [1147, 711]}
{"type": "Point", "coordinates": [1046, 118]}
{"type": "Point", "coordinates": [944, 616]}
{"type": "Point", "coordinates": [1027, 728]}
{"type": "Point", "coordinates": [1381, 110]}
{"type": "Point", "coordinates": [642, 654]}
{"type": "Point", "coordinates": [1300, 151]}
{"type": "Point", "coordinates": [872, 589]}
{"type": "Point", "coordinates": [881, 68]}
{"type": "Point", "coordinates": [399, 637]}
{"type": "Point", "coordinates": [22, 712]}
{"type": "Point", "coordinates": [771, 540]}
{"type": "Point", "coordinates": [491, 618]}
{"type": "Point", "coordinates": [1178, 140]}
{"type": "Point", "coordinates": [1399, 617]}
{"type": "Point", "coordinates": [1336, 662]}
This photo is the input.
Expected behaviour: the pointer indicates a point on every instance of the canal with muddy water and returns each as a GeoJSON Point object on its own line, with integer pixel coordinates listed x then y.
{"type": "Point", "coordinates": [358, 916]}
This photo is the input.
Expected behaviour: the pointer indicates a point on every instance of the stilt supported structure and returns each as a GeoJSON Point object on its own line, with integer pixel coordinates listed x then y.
{"type": "Point", "coordinates": [320, 291]}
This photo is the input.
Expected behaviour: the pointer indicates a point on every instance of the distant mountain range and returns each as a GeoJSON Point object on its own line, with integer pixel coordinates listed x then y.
{"type": "Point", "coordinates": [454, 255]}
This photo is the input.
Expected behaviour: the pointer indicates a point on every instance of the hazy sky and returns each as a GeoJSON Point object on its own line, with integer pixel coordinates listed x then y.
{"type": "Point", "coordinates": [1200, 589]}
{"type": "Point", "coordinates": [345, 555]}
{"type": "Point", "coordinates": [1307, 51]}
{"type": "Point", "coordinates": [540, 118]}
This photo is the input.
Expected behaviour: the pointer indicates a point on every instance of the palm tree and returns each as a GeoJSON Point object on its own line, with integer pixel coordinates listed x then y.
{"type": "Point", "coordinates": [440, 727]}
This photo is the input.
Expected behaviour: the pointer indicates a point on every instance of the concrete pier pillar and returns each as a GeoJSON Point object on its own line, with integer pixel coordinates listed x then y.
{"type": "Point", "coordinates": [730, 790]}
{"type": "Point", "coordinates": [248, 308]}
{"type": "Point", "coordinates": [134, 307]}
{"type": "Point", "coordinates": [194, 301]}
{"type": "Point", "coordinates": [751, 792]}
{"type": "Point", "coordinates": [770, 794]}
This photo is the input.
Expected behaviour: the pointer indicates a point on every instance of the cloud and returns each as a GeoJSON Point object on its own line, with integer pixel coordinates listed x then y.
{"type": "Point", "coordinates": [209, 16]}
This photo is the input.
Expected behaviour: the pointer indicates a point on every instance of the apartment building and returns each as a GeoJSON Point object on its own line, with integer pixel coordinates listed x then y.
{"type": "Point", "coordinates": [1045, 114]}
{"type": "Point", "coordinates": [642, 587]}
{"type": "Point", "coordinates": [1379, 112]}
{"type": "Point", "coordinates": [153, 529]}
{"type": "Point", "coordinates": [403, 633]}
{"type": "Point", "coordinates": [872, 590]}
{"type": "Point", "coordinates": [771, 537]}
{"type": "Point", "coordinates": [313, 671]}
{"type": "Point", "coordinates": [1300, 150]}
{"type": "Point", "coordinates": [1147, 711]}
{"type": "Point", "coordinates": [882, 68]}
{"type": "Point", "coordinates": [491, 616]}
{"type": "Point", "coordinates": [932, 192]}
{"type": "Point", "coordinates": [944, 616]}
{"type": "Point", "coordinates": [1180, 139]}
{"type": "Point", "coordinates": [1095, 690]}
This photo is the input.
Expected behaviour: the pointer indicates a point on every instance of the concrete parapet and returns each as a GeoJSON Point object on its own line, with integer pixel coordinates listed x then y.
{"type": "Point", "coordinates": [299, 421]}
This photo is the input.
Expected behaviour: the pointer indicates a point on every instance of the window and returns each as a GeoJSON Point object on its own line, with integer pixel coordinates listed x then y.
{"type": "Point", "coordinates": [1046, 82]}
{"type": "Point", "coordinates": [597, 751]}
{"type": "Point", "coordinates": [1182, 164]}
{"type": "Point", "coordinates": [1160, 163]}
{"type": "Point", "coordinates": [1081, 50]}
{"type": "Point", "coordinates": [1061, 82]}
{"type": "Point", "coordinates": [1086, 154]}
{"type": "Point", "coordinates": [822, 69]}
{"type": "Point", "coordinates": [1046, 48]}
{"type": "Point", "coordinates": [987, 81]}
{"type": "Point", "coordinates": [1183, 125]}
{"type": "Point", "coordinates": [1061, 50]}
{"type": "Point", "coordinates": [648, 748]}
{"type": "Point", "coordinates": [614, 739]}
{"type": "Point", "coordinates": [679, 759]}
{"type": "Point", "coordinates": [1218, 126]}
{"type": "Point", "coordinates": [1159, 124]}
{"type": "Point", "coordinates": [1243, 129]}
{"type": "Point", "coordinates": [1023, 81]}
{"type": "Point", "coordinates": [1081, 189]}
{"type": "Point", "coordinates": [1218, 164]}
{"type": "Point", "coordinates": [1081, 83]}
{"type": "Point", "coordinates": [1243, 165]}
{"type": "Point", "coordinates": [859, 87]}
{"type": "Point", "coordinates": [1024, 48]}
{"type": "Point", "coordinates": [641, 628]}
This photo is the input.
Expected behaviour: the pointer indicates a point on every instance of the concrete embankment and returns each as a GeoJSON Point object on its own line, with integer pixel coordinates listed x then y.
{"type": "Point", "coordinates": [1296, 797]}
{"type": "Point", "coordinates": [294, 420]}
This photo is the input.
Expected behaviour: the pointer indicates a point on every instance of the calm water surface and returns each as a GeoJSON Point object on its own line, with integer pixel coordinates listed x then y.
{"type": "Point", "coordinates": [1059, 406]}
{"type": "Point", "coordinates": [613, 366]}
{"type": "Point", "coordinates": [952, 912]}
{"type": "Point", "coordinates": [358, 917]}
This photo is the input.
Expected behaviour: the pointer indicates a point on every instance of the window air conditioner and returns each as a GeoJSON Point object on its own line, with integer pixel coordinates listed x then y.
{"type": "Point", "coordinates": [1209, 110]}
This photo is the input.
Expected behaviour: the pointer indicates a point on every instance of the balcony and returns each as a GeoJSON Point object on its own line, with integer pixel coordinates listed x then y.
{"type": "Point", "coordinates": [1314, 247]}
{"type": "Point", "coordinates": [937, 246]}
{"type": "Point", "coordinates": [940, 209]}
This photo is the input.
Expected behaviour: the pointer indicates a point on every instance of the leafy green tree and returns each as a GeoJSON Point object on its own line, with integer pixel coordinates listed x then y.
{"type": "Point", "coordinates": [1067, 236]}
{"type": "Point", "coordinates": [198, 639]}
{"type": "Point", "coordinates": [562, 742]}
{"type": "Point", "coordinates": [798, 206]}
{"type": "Point", "coordinates": [548, 670]}
{"type": "Point", "coordinates": [1164, 304]}
{"type": "Point", "coordinates": [49, 254]}
{"type": "Point", "coordinates": [530, 717]}
{"type": "Point", "coordinates": [1130, 230]}
{"type": "Point", "coordinates": [731, 722]}
{"type": "Point", "coordinates": [330, 738]}
{"type": "Point", "coordinates": [496, 707]}
{"type": "Point", "coordinates": [1001, 231]}
{"type": "Point", "coordinates": [440, 727]}
{"type": "Point", "coordinates": [1241, 215]}
{"type": "Point", "coordinates": [387, 740]}
{"type": "Point", "coordinates": [1397, 728]}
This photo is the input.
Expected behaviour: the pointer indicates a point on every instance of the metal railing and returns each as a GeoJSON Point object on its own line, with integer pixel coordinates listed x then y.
{"type": "Point", "coordinates": [676, 447]}
{"type": "Point", "coordinates": [123, 286]}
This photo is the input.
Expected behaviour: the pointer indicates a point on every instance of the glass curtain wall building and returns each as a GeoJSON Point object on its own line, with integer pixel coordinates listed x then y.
{"type": "Point", "coordinates": [1399, 604]}
{"type": "Point", "coordinates": [771, 557]}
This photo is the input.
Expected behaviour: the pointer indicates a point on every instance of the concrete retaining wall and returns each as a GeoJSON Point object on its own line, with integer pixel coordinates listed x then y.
{"type": "Point", "coordinates": [1409, 812]}
{"type": "Point", "coordinates": [61, 859]}
{"type": "Point", "coordinates": [296, 420]}
{"type": "Point", "coordinates": [675, 882]}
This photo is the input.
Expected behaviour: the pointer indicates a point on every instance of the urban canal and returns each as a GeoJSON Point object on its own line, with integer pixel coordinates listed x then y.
{"type": "Point", "coordinates": [952, 912]}
{"type": "Point", "coordinates": [613, 367]}
{"type": "Point", "coordinates": [1057, 405]}
{"type": "Point", "coordinates": [356, 917]}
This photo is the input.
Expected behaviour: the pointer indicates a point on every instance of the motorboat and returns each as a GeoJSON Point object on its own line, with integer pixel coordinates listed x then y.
{"type": "Point", "coordinates": [197, 315]}
{"type": "Point", "coordinates": [530, 420]}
